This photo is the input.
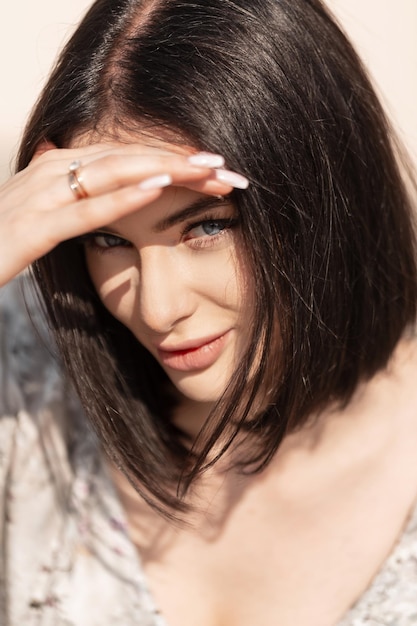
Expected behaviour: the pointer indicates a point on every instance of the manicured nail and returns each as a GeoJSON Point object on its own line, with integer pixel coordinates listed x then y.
{"type": "Point", "coordinates": [155, 182]}
{"type": "Point", "coordinates": [206, 159]}
{"type": "Point", "coordinates": [231, 178]}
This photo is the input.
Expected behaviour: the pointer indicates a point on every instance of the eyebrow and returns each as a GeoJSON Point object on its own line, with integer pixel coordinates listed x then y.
{"type": "Point", "coordinates": [191, 210]}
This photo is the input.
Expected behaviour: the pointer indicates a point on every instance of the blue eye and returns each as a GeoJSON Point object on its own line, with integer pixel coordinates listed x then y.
{"type": "Point", "coordinates": [208, 228]}
{"type": "Point", "coordinates": [209, 232]}
{"type": "Point", "coordinates": [108, 241]}
{"type": "Point", "coordinates": [212, 228]}
{"type": "Point", "coordinates": [104, 241]}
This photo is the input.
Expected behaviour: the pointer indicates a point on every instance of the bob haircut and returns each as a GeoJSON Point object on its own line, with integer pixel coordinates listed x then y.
{"type": "Point", "coordinates": [327, 228]}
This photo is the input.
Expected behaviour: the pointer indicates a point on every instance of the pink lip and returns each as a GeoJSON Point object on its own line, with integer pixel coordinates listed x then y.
{"type": "Point", "coordinates": [200, 355]}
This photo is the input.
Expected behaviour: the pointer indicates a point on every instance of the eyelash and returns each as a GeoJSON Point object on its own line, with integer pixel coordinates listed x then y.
{"type": "Point", "coordinates": [206, 241]}
{"type": "Point", "coordinates": [89, 241]}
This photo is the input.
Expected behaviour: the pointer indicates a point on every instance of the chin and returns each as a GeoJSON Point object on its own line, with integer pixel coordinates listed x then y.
{"type": "Point", "coordinates": [199, 387]}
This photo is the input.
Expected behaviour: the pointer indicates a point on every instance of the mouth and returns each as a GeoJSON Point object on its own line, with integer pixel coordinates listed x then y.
{"type": "Point", "coordinates": [198, 356]}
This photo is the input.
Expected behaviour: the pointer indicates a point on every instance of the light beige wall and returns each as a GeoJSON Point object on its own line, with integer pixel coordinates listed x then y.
{"type": "Point", "coordinates": [385, 34]}
{"type": "Point", "coordinates": [32, 32]}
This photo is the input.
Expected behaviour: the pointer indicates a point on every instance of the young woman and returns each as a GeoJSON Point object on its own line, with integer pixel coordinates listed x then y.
{"type": "Point", "coordinates": [219, 225]}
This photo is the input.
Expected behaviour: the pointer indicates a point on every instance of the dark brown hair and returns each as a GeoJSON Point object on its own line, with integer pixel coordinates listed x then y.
{"type": "Point", "coordinates": [275, 87]}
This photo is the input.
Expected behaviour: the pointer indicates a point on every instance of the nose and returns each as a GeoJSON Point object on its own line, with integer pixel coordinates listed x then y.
{"type": "Point", "coordinates": [165, 294]}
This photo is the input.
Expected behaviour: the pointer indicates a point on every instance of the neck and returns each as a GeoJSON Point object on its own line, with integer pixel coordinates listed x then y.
{"type": "Point", "coordinates": [190, 416]}
{"type": "Point", "coordinates": [339, 447]}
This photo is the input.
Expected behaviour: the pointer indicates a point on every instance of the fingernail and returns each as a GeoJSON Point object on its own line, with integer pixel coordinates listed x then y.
{"type": "Point", "coordinates": [206, 159]}
{"type": "Point", "coordinates": [231, 178]}
{"type": "Point", "coordinates": [155, 182]}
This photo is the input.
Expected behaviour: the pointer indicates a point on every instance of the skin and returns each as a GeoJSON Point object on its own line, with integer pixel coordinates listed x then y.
{"type": "Point", "coordinates": [296, 544]}
{"type": "Point", "coordinates": [32, 200]}
{"type": "Point", "coordinates": [177, 287]}
{"type": "Point", "coordinates": [299, 543]}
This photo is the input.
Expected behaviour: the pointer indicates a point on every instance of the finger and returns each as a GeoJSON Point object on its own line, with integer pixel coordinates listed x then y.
{"type": "Point", "coordinates": [112, 171]}
{"type": "Point", "coordinates": [108, 167]}
{"type": "Point", "coordinates": [106, 171]}
{"type": "Point", "coordinates": [95, 212]}
{"type": "Point", "coordinates": [38, 236]}
{"type": "Point", "coordinates": [42, 228]}
{"type": "Point", "coordinates": [219, 182]}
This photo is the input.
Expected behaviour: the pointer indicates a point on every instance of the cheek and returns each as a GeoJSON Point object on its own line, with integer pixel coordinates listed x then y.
{"type": "Point", "coordinates": [115, 285]}
{"type": "Point", "coordinates": [229, 280]}
{"type": "Point", "coordinates": [245, 291]}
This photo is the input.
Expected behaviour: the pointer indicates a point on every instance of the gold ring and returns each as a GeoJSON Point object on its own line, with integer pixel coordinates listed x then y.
{"type": "Point", "coordinates": [75, 181]}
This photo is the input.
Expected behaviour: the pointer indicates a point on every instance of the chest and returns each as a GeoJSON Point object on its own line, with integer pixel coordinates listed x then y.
{"type": "Point", "coordinates": [262, 567]}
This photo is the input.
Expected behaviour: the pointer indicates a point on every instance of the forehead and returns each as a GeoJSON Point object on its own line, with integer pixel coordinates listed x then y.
{"type": "Point", "coordinates": [175, 206]}
{"type": "Point", "coordinates": [152, 139]}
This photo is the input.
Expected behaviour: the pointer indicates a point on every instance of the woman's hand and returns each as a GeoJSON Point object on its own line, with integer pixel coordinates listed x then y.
{"type": "Point", "coordinates": [39, 210]}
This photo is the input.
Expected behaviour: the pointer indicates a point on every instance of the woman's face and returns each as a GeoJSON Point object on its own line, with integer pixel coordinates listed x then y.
{"type": "Point", "coordinates": [170, 273]}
